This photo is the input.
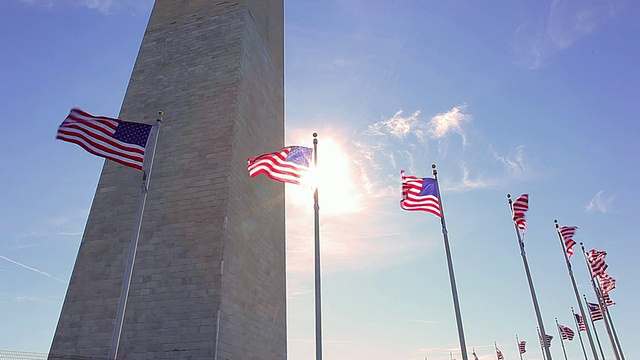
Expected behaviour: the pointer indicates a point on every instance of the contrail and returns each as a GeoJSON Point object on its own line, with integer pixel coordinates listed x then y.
{"type": "Point", "coordinates": [32, 269]}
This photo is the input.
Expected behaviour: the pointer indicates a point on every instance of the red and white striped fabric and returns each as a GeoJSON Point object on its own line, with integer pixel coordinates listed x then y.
{"type": "Point", "coordinates": [121, 141]}
{"type": "Point", "coordinates": [519, 207]}
{"type": "Point", "coordinates": [567, 233]}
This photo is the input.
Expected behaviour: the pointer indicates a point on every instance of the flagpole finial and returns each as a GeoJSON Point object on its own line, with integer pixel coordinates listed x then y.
{"type": "Point", "coordinates": [508, 196]}
{"type": "Point", "coordinates": [160, 113]}
{"type": "Point", "coordinates": [435, 172]}
{"type": "Point", "coordinates": [315, 140]}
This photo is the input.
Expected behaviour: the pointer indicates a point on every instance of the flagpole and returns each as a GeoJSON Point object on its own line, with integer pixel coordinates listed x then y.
{"type": "Point", "coordinates": [601, 304]}
{"type": "Point", "coordinates": [613, 329]}
{"type": "Point", "coordinates": [531, 289]}
{"type": "Point", "coordinates": [595, 331]}
{"type": "Point", "coordinates": [128, 272]}
{"type": "Point", "coordinates": [575, 288]}
{"type": "Point", "coordinates": [580, 335]}
{"type": "Point", "coordinates": [518, 343]}
{"type": "Point", "coordinates": [452, 279]}
{"type": "Point", "coordinates": [607, 314]}
{"type": "Point", "coordinates": [544, 355]}
{"type": "Point", "coordinates": [316, 209]}
{"type": "Point", "coordinates": [561, 339]}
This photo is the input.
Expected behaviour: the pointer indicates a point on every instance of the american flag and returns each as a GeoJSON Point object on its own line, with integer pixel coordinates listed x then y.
{"type": "Point", "coordinates": [114, 139]}
{"type": "Point", "coordinates": [596, 262]}
{"type": "Point", "coordinates": [607, 283]}
{"type": "Point", "coordinates": [520, 206]}
{"type": "Point", "coordinates": [607, 300]}
{"type": "Point", "coordinates": [580, 321]}
{"type": "Point", "coordinates": [499, 353]}
{"type": "Point", "coordinates": [595, 311]}
{"type": "Point", "coordinates": [549, 338]}
{"type": "Point", "coordinates": [567, 233]}
{"type": "Point", "coordinates": [565, 332]}
{"type": "Point", "coordinates": [522, 346]}
{"type": "Point", "coordinates": [420, 194]}
{"type": "Point", "coordinates": [287, 164]}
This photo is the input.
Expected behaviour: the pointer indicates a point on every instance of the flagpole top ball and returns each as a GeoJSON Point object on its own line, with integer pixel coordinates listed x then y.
{"type": "Point", "coordinates": [433, 166]}
{"type": "Point", "coordinates": [160, 113]}
{"type": "Point", "coordinates": [508, 196]}
{"type": "Point", "coordinates": [315, 134]}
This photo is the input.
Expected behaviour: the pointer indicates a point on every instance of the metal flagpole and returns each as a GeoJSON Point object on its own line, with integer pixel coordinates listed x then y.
{"type": "Point", "coordinates": [595, 332]}
{"type": "Point", "coordinates": [316, 209]}
{"type": "Point", "coordinates": [128, 272]}
{"type": "Point", "coordinates": [452, 279]}
{"type": "Point", "coordinates": [531, 289]}
{"type": "Point", "coordinates": [613, 328]}
{"type": "Point", "coordinates": [518, 343]}
{"type": "Point", "coordinates": [542, 344]}
{"type": "Point", "coordinates": [575, 289]}
{"type": "Point", "coordinates": [580, 335]}
{"type": "Point", "coordinates": [607, 314]}
{"type": "Point", "coordinates": [602, 305]}
{"type": "Point", "coordinates": [561, 340]}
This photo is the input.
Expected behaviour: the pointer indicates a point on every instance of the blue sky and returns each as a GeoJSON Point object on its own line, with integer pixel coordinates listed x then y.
{"type": "Point", "coordinates": [504, 96]}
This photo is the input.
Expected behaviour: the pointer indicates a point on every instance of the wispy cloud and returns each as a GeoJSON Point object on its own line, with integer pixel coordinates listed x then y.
{"type": "Point", "coordinates": [600, 203]}
{"type": "Point", "coordinates": [564, 23]}
{"type": "Point", "coordinates": [104, 6]}
{"type": "Point", "coordinates": [451, 121]}
{"type": "Point", "coordinates": [22, 299]}
{"type": "Point", "coordinates": [400, 126]}
{"type": "Point", "coordinates": [32, 269]}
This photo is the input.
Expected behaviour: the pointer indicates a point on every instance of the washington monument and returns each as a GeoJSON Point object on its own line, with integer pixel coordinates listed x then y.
{"type": "Point", "coordinates": [209, 275]}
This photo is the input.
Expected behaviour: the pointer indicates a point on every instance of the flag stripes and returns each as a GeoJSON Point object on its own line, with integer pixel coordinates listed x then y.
{"type": "Point", "coordinates": [565, 332]}
{"type": "Point", "coordinates": [520, 206]}
{"type": "Point", "coordinates": [607, 283]}
{"type": "Point", "coordinates": [582, 326]}
{"type": "Point", "coordinates": [420, 194]}
{"type": "Point", "coordinates": [567, 233]}
{"type": "Point", "coordinates": [595, 311]}
{"type": "Point", "coordinates": [114, 139]}
{"type": "Point", "coordinates": [596, 262]}
{"type": "Point", "coordinates": [287, 165]}
{"type": "Point", "coordinates": [522, 346]}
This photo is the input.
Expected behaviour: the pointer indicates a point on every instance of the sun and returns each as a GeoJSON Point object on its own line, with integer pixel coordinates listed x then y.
{"type": "Point", "coordinates": [335, 177]}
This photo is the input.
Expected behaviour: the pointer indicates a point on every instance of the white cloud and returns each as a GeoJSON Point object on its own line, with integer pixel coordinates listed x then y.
{"type": "Point", "coordinates": [399, 126]}
{"type": "Point", "coordinates": [514, 162]}
{"type": "Point", "coordinates": [600, 203]}
{"type": "Point", "coordinates": [445, 123]}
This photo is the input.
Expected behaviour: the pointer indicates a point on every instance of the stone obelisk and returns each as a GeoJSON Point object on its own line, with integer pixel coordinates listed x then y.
{"type": "Point", "coordinates": [209, 275]}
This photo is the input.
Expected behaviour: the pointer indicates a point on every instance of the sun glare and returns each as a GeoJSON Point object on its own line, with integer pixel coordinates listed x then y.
{"type": "Point", "coordinates": [338, 192]}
